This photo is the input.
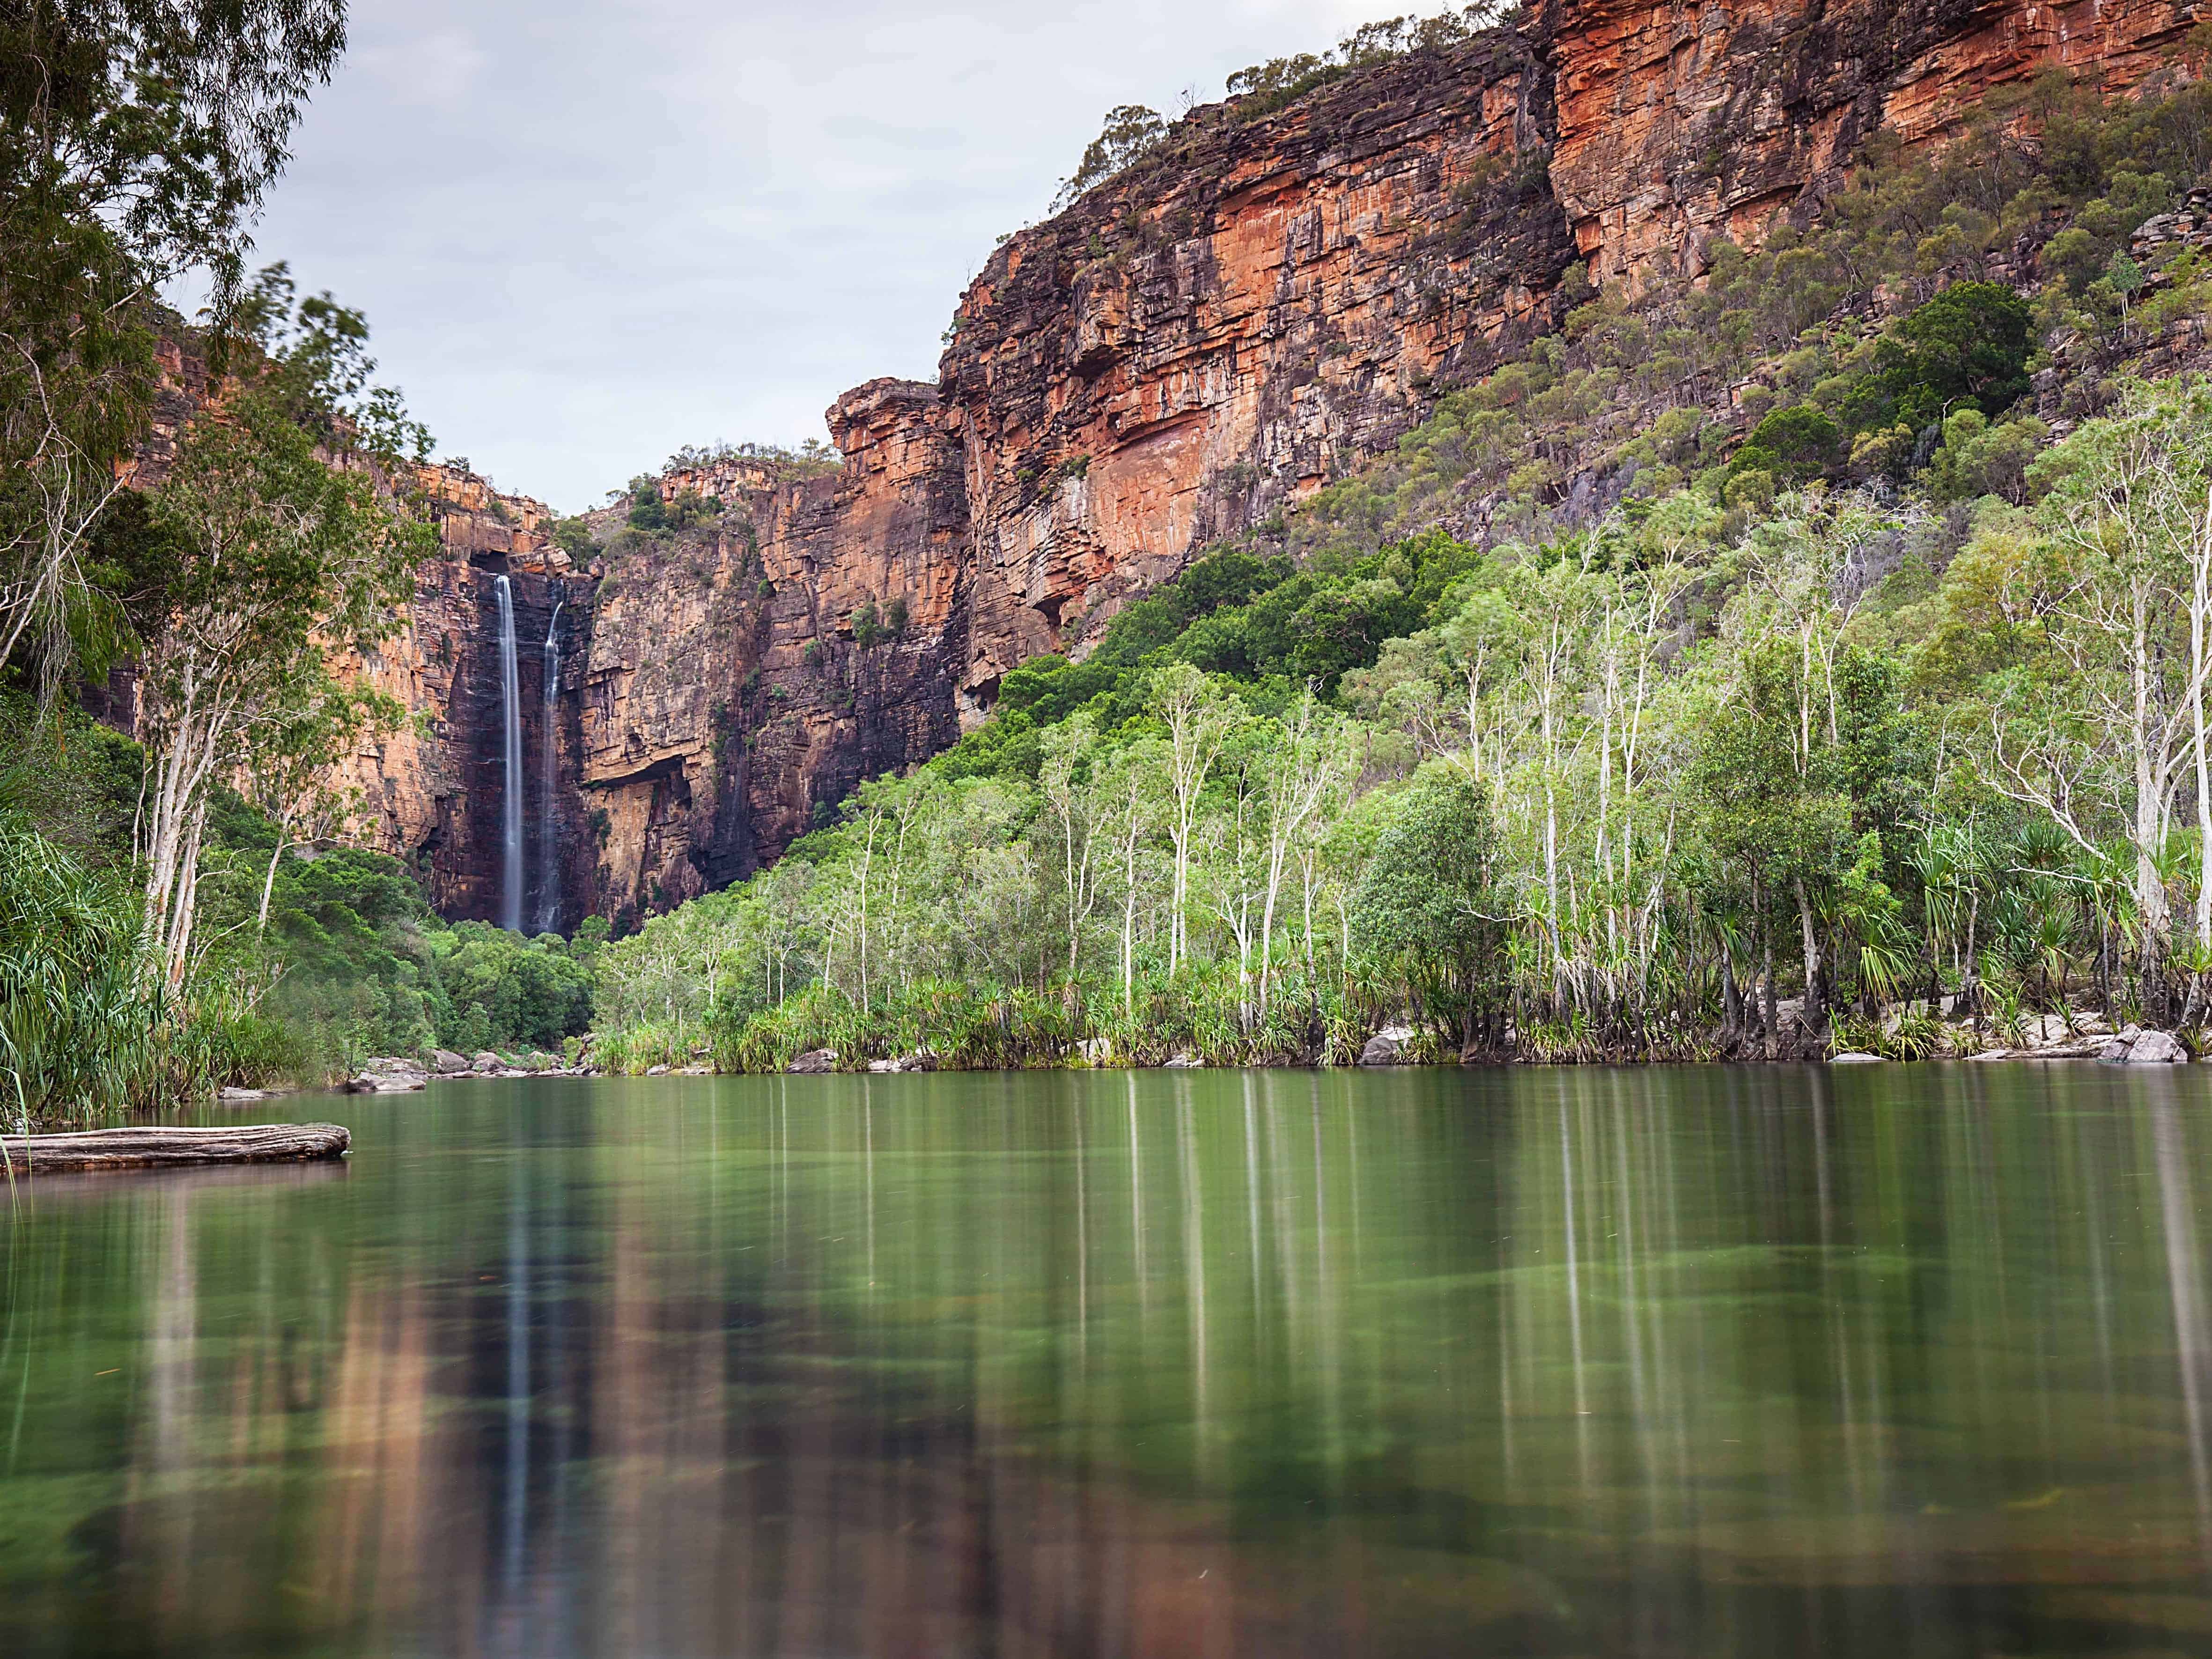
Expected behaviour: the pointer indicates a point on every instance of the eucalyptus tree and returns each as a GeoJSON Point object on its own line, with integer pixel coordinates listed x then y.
{"type": "Point", "coordinates": [1427, 906]}
{"type": "Point", "coordinates": [1306, 771]}
{"type": "Point", "coordinates": [1773, 809]}
{"type": "Point", "coordinates": [782, 894]}
{"type": "Point", "coordinates": [2099, 723]}
{"type": "Point", "coordinates": [137, 139]}
{"type": "Point", "coordinates": [291, 772]}
{"type": "Point", "coordinates": [1131, 806]}
{"type": "Point", "coordinates": [1071, 829]}
{"type": "Point", "coordinates": [1199, 719]}
{"type": "Point", "coordinates": [273, 555]}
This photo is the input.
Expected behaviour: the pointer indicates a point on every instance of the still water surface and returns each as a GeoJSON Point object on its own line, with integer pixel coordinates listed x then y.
{"type": "Point", "coordinates": [1699, 1362]}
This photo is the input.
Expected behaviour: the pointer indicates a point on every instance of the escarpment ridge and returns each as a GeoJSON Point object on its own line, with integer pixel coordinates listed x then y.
{"type": "Point", "coordinates": [1258, 308]}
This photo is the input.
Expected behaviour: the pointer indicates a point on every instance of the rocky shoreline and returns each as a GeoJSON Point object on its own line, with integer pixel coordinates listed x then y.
{"type": "Point", "coordinates": [2131, 1045]}
{"type": "Point", "coordinates": [2047, 1038]}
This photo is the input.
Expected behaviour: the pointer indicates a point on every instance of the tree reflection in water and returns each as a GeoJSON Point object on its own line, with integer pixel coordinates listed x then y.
{"type": "Point", "coordinates": [1663, 1362]}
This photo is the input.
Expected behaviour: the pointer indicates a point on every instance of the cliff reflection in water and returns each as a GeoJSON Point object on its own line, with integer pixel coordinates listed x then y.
{"type": "Point", "coordinates": [1664, 1361]}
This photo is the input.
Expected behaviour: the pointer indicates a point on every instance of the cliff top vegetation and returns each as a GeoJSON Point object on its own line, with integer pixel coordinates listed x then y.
{"type": "Point", "coordinates": [810, 459]}
{"type": "Point", "coordinates": [1133, 132]}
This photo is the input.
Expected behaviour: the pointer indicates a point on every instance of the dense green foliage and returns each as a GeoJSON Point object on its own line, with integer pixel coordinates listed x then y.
{"type": "Point", "coordinates": [362, 966]}
{"type": "Point", "coordinates": [135, 142]}
{"type": "Point", "coordinates": [1427, 908]}
{"type": "Point", "coordinates": [1967, 348]}
{"type": "Point", "coordinates": [1689, 782]}
{"type": "Point", "coordinates": [1260, 620]}
{"type": "Point", "coordinates": [350, 962]}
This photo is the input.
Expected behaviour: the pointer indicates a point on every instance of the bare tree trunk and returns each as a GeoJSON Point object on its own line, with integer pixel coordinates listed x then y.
{"type": "Point", "coordinates": [1772, 1003]}
{"type": "Point", "coordinates": [2150, 809]}
{"type": "Point", "coordinates": [187, 906]}
{"type": "Point", "coordinates": [1731, 998]}
{"type": "Point", "coordinates": [1816, 1002]}
{"type": "Point", "coordinates": [868, 859]}
{"type": "Point", "coordinates": [269, 880]}
{"type": "Point", "coordinates": [2200, 667]}
{"type": "Point", "coordinates": [1129, 917]}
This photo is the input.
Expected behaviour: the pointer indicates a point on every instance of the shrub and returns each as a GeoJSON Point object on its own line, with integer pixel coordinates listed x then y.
{"type": "Point", "coordinates": [1131, 133]}
{"type": "Point", "coordinates": [1425, 905]}
{"type": "Point", "coordinates": [1969, 345]}
{"type": "Point", "coordinates": [573, 537]}
{"type": "Point", "coordinates": [686, 509]}
{"type": "Point", "coordinates": [647, 511]}
{"type": "Point", "coordinates": [632, 1050]}
{"type": "Point", "coordinates": [1795, 444]}
{"type": "Point", "coordinates": [867, 625]}
{"type": "Point", "coordinates": [1980, 458]}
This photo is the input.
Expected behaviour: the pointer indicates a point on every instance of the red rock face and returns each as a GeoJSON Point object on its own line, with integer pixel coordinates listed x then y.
{"type": "Point", "coordinates": [1682, 122]}
{"type": "Point", "coordinates": [434, 788]}
{"type": "Point", "coordinates": [1226, 328]}
{"type": "Point", "coordinates": [1260, 307]}
{"type": "Point", "coordinates": [727, 704]}
{"type": "Point", "coordinates": [710, 702]}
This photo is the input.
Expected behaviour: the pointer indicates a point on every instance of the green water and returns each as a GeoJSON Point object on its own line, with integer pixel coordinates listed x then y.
{"type": "Point", "coordinates": [1892, 1362]}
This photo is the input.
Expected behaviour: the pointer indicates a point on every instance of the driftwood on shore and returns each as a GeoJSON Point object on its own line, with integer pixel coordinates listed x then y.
{"type": "Point", "coordinates": [165, 1147]}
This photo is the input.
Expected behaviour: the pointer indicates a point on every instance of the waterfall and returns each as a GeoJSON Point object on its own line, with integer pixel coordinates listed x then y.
{"type": "Point", "coordinates": [510, 697]}
{"type": "Point", "coordinates": [549, 867]}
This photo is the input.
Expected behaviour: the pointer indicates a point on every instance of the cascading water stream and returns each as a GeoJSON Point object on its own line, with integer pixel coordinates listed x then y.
{"type": "Point", "coordinates": [510, 694]}
{"type": "Point", "coordinates": [548, 895]}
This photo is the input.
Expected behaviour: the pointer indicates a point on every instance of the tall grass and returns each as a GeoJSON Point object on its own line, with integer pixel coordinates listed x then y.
{"type": "Point", "coordinates": [81, 1036]}
{"type": "Point", "coordinates": [987, 1026]}
{"type": "Point", "coordinates": [1204, 1013]}
{"type": "Point", "coordinates": [633, 1050]}
{"type": "Point", "coordinates": [960, 1026]}
{"type": "Point", "coordinates": [86, 1033]}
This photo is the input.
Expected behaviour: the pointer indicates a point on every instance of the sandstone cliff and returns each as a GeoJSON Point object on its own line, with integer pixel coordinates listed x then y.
{"type": "Point", "coordinates": [435, 787]}
{"type": "Point", "coordinates": [710, 759]}
{"type": "Point", "coordinates": [1261, 305]}
{"type": "Point", "coordinates": [1680, 122]}
{"type": "Point", "coordinates": [1226, 327]}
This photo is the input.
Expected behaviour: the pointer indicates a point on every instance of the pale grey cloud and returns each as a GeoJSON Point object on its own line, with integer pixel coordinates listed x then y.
{"type": "Point", "coordinates": [436, 68]}
{"type": "Point", "coordinates": [585, 234]}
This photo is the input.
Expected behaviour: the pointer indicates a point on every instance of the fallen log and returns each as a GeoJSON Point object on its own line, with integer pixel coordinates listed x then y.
{"type": "Point", "coordinates": [164, 1147]}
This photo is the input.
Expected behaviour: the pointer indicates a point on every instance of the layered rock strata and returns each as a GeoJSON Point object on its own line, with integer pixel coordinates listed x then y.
{"type": "Point", "coordinates": [703, 761]}
{"type": "Point", "coordinates": [1257, 308]}
{"type": "Point", "coordinates": [1678, 122]}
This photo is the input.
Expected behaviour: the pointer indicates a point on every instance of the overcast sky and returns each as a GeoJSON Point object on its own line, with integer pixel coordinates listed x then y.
{"type": "Point", "coordinates": [585, 234]}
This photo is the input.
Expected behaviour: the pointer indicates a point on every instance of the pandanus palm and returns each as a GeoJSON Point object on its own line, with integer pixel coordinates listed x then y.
{"type": "Point", "coordinates": [2055, 938]}
{"type": "Point", "coordinates": [2008, 932]}
{"type": "Point", "coordinates": [2193, 959]}
{"type": "Point", "coordinates": [1885, 960]}
{"type": "Point", "coordinates": [2103, 881]}
{"type": "Point", "coordinates": [1953, 864]}
{"type": "Point", "coordinates": [1731, 938]}
{"type": "Point", "coordinates": [2175, 860]}
{"type": "Point", "coordinates": [1864, 916]}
